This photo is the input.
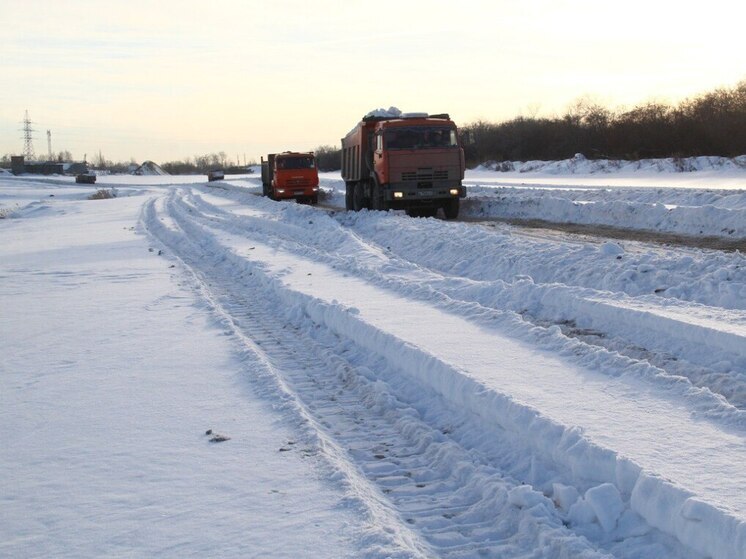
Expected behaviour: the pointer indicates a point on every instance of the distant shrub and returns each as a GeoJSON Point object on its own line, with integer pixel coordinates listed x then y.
{"type": "Point", "coordinates": [201, 164]}
{"type": "Point", "coordinates": [103, 194]}
{"type": "Point", "coordinates": [328, 158]}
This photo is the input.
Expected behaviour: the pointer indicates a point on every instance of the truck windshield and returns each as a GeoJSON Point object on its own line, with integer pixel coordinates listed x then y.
{"type": "Point", "coordinates": [419, 137]}
{"type": "Point", "coordinates": [303, 162]}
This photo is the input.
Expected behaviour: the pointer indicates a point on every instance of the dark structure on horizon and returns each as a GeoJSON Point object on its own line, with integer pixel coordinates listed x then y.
{"type": "Point", "coordinates": [19, 166]}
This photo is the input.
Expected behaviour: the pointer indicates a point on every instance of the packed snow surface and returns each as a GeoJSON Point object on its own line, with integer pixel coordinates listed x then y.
{"type": "Point", "coordinates": [190, 369]}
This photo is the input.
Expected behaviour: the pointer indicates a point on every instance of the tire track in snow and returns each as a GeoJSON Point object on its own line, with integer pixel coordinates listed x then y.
{"type": "Point", "coordinates": [678, 337]}
{"type": "Point", "coordinates": [615, 323]}
{"type": "Point", "coordinates": [459, 504]}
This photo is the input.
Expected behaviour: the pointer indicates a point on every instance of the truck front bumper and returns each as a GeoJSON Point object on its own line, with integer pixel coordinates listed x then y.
{"type": "Point", "coordinates": [297, 192]}
{"type": "Point", "coordinates": [423, 192]}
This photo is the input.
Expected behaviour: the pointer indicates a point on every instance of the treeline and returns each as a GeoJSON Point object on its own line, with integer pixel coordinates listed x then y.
{"type": "Point", "coordinates": [711, 124]}
{"type": "Point", "coordinates": [200, 164]}
{"type": "Point", "coordinates": [60, 157]}
{"type": "Point", "coordinates": [328, 158]}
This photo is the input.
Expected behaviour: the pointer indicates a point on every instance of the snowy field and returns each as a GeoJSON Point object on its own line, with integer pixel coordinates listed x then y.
{"type": "Point", "coordinates": [192, 370]}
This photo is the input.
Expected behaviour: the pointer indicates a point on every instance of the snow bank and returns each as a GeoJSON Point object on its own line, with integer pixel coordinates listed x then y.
{"type": "Point", "coordinates": [579, 164]}
{"type": "Point", "coordinates": [647, 195]}
{"type": "Point", "coordinates": [614, 494]}
{"type": "Point", "coordinates": [702, 196]}
{"type": "Point", "coordinates": [616, 483]}
{"type": "Point", "coordinates": [723, 217]}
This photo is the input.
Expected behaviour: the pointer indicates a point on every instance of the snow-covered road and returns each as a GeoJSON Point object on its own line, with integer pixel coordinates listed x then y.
{"type": "Point", "coordinates": [475, 390]}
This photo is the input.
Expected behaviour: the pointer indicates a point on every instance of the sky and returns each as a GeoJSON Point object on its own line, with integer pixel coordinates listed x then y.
{"type": "Point", "coordinates": [174, 79]}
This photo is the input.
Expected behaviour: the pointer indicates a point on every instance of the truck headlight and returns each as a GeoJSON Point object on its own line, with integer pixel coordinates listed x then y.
{"type": "Point", "coordinates": [398, 195]}
{"type": "Point", "coordinates": [280, 191]}
{"type": "Point", "coordinates": [454, 192]}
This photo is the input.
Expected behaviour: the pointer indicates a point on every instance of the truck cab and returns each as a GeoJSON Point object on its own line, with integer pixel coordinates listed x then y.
{"type": "Point", "coordinates": [419, 160]}
{"type": "Point", "coordinates": [291, 175]}
{"type": "Point", "coordinates": [413, 163]}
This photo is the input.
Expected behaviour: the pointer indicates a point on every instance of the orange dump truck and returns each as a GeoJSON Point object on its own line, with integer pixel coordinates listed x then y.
{"type": "Point", "coordinates": [290, 175]}
{"type": "Point", "coordinates": [411, 162]}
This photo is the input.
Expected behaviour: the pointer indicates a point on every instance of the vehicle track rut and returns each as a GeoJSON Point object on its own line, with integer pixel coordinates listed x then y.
{"type": "Point", "coordinates": [452, 498]}
{"type": "Point", "coordinates": [394, 265]}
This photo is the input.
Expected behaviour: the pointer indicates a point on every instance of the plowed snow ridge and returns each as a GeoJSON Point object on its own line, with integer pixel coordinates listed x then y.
{"type": "Point", "coordinates": [466, 415]}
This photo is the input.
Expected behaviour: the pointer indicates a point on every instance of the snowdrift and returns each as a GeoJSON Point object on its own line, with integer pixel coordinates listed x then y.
{"type": "Point", "coordinates": [579, 164]}
{"type": "Point", "coordinates": [696, 197]}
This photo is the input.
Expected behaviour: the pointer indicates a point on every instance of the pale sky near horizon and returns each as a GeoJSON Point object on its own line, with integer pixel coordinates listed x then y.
{"type": "Point", "coordinates": [174, 79]}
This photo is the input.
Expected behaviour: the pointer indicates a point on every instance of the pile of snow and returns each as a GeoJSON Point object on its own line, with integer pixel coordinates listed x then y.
{"type": "Point", "coordinates": [720, 214]}
{"type": "Point", "coordinates": [649, 195]}
{"type": "Point", "coordinates": [149, 168]}
{"type": "Point", "coordinates": [579, 164]}
{"type": "Point", "coordinates": [391, 112]}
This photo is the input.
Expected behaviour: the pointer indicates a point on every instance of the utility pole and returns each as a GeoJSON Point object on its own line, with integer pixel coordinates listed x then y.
{"type": "Point", "coordinates": [49, 143]}
{"type": "Point", "coordinates": [28, 146]}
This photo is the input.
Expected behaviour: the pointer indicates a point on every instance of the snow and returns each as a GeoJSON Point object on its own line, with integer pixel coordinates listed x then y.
{"type": "Point", "coordinates": [391, 112]}
{"type": "Point", "coordinates": [112, 374]}
{"type": "Point", "coordinates": [387, 386]}
{"type": "Point", "coordinates": [149, 168]}
{"type": "Point", "coordinates": [702, 196]}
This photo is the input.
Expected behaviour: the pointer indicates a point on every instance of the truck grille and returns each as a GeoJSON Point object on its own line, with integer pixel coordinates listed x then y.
{"type": "Point", "coordinates": [424, 175]}
{"type": "Point", "coordinates": [297, 182]}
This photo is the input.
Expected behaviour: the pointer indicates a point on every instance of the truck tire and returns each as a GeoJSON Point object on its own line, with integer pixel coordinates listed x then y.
{"type": "Point", "coordinates": [451, 208]}
{"type": "Point", "coordinates": [376, 200]}
{"type": "Point", "coordinates": [349, 190]}
{"type": "Point", "coordinates": [358, 197]}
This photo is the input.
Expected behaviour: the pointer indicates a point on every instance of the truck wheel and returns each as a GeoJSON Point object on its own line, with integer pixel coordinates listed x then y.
{"type": "Point", "coordinates": [451, 207]}
{"type": "Point", "coordinates": [376, 201]}
{"type": "Point", "coordinates": [314, 200]}
{"type": "Point", "coordinates": [349, 190]}
{"type": "Point", "coordinates": [358, 197]}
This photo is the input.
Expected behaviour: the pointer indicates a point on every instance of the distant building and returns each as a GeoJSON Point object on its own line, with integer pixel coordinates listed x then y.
{"type": "Point", "coordinates": [19, 166]}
